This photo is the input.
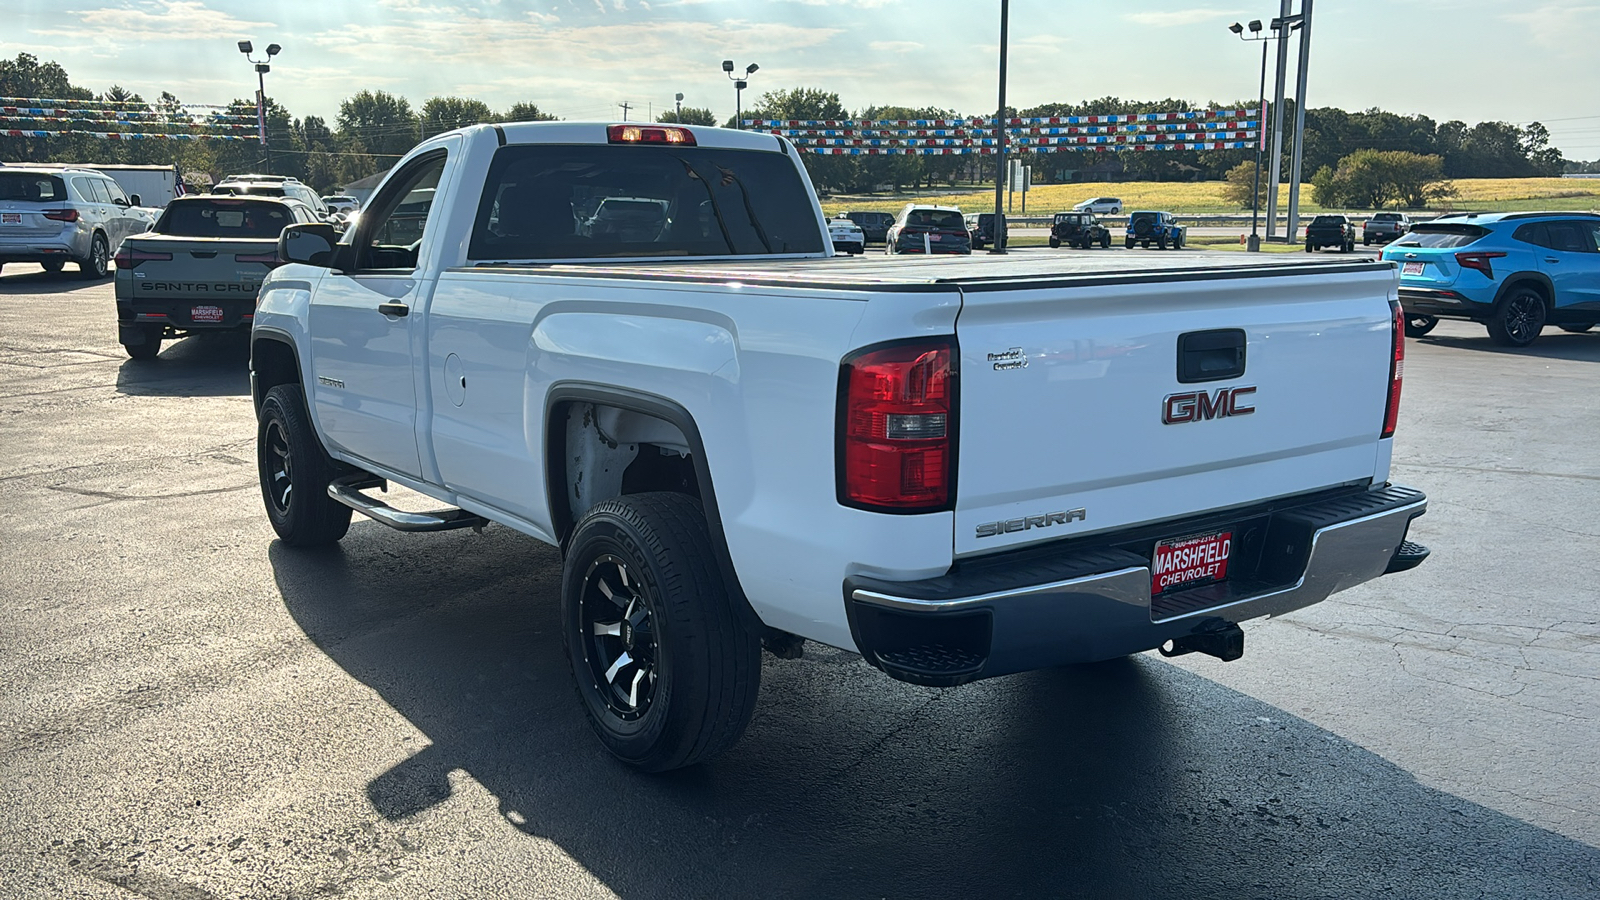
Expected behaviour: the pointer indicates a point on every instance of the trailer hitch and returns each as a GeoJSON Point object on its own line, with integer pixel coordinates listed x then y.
{"type": "Point", "coordinates": [1224, 640]}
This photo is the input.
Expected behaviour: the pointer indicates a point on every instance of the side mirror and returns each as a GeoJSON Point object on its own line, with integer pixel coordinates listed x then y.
{"type": "Point", "coordinates": [135, 200]}
{"type": "Point", "coordinates": [312, 243]}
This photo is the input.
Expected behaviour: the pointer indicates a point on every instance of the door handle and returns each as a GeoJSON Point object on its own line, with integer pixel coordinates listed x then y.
{"type": "Point", "coordinates": [1551, 259]}
{"type": "Point", "coordinates": [394, 309]}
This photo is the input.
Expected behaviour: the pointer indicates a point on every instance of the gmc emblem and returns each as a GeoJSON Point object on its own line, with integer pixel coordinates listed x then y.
{"type": "Point", "coordinates": [1197, 406]}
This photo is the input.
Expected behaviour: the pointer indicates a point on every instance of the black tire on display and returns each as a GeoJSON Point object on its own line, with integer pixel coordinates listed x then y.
{"type": "Point", "coordinates": [151, 345]}
{"type": "Point", "coordinates": [1417, 326]}
{"type": "Point", "coordinates": [1519, 319]}
{"type": "Point", "coordinates": [1577, 329]}
{"type": "Point", "coordinates": [98, 263]}
{"type": "Point", "coordinates": [53, 266]}
{"type": "Point", "coordinates": [295, 472]}
{"type": "Point", "coordinates": [665, 668]}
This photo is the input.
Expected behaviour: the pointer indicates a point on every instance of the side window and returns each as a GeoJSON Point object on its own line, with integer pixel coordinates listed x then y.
{"type": "Point", "coordinates": [391, 231]}
{"type": "Point", "coordinates": [1567, 237]}
{"type": "Point", "coordinates": [86, 189]}
{"type": "Point", "coordinates": [1531, 233]}
{"type": "Point", "coordinates": [1594, 236]}
{"type": "Point", "coordinates": [114, 191]}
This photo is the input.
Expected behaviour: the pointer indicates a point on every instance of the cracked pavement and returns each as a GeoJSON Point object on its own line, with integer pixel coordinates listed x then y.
{"type": "Point", "coordinates": [193, 711]}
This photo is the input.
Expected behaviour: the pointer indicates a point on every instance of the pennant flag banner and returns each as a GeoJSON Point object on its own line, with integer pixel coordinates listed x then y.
{"type": "Point", "coordinates": [1227, 129]}
{"type": "Point", "coordinates": [35, 117]}
{"type": "Point", "coordinates": [133, 104]}
{"type": "Point", "coordinates": [127, 135]}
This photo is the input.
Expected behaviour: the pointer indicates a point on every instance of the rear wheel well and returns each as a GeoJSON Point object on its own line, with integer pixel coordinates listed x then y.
{"type": "Point", "coordinates": [1529, 281]}
{"type": "Point", "coordinates": [600, 452]}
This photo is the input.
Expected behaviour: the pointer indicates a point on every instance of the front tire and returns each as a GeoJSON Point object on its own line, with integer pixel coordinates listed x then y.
{"type": "Point", "coordinates": [98, 263]}
{"type": "Point", "coordinates": [1417, 326]}
{"type": "Point", "coordinates": [665, 669]}
{"type": "Point", "coordinates": [1519, 319]}
{"type": "Point", "coordinates": [1161, 242]}
{"type": "Point", "coordinates": [295, 472]}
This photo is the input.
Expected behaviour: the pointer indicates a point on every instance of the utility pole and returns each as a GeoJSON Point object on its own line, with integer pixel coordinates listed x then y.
{"type": "Point", "coordinates": [1299, 117]}
{"type": "Point", "coordinates": [999, 245]}
{"type": "Point", "coordinates": [1280, 27]}
{"type": "Point", "coordinates": [625, 108]}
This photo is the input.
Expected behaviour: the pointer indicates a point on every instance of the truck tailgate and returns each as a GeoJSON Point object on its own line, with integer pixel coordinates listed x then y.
{"type": "Point", "coordinates": [1073, 418]}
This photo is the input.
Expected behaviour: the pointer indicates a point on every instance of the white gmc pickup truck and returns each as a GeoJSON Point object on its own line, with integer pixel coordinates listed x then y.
{"type": "Point", "coordinates": [635, 342]}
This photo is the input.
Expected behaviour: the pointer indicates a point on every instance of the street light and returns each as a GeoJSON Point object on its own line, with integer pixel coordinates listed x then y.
{"type": "Point", "coordinates": [739, 84]}
{"type": "Point", "coordinates": [678, 99]}
{"type": "Point", "coordinates": [1254, 245]}
{"type": "Point", "coordinates": [262, 68]}
{"type": "Point", "coordinates": [998, 238]}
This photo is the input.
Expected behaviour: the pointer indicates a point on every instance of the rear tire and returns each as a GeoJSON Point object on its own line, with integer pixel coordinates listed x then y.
{"type": "Point", "coordinates": [665, 669]}
{"type": "Point", "coordinates": [1417, 326]}
{"type": "Point", "coordinates": [1161, 242]}
{"type": "Point", "coordinates": [151, 345]}
{"type": "Point", "coordinates": [1519, 319]}
{"type": "Point", "coordinates": [295, 472]}
{"type": "Point", "coordinates": [53, 266]}
{"type": "Point", "coordinates": [98, 263]}
{"type": "Point", "coordinates": [1129, 243]}
{"type": "Point", "coordinates": [1055, 243]}
{"type": "Point", "coordinates": [1310, 247]}
{"type": "Point", "coordinates": [1577, 329]}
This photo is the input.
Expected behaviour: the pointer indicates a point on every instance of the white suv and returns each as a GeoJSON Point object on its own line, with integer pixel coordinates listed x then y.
{"type": "Point", "coordinates": [51, 216]}
{"type": "Point", "coordinates": [1104, 206]}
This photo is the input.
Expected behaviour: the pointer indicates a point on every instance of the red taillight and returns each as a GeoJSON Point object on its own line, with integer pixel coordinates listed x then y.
{"type": "Point", "coordinates": [270, 259]}
{"type": "Point", "coordinates": [61, 215]}
{"type": "Point", "coordinates": [128, 257]}
{"type": "Point", "coordinates": [1479, 259]}
{"type": "Point", "coordinates": [897, 427]}
{"type": "Point", "coordinates": [649, 134]}
{"type": "Point", "coordinates": [1397, 368]}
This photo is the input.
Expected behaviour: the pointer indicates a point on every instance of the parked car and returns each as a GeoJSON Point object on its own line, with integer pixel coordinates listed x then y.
{"type": "Point", "coordinates": [980, 229]}
{"type": "Point", "coordinates": [341, 203]}
{"type": "Point", "coordinates": [1148, 227]}
{"type": "Point", "coordinates": [626, 219]}
{"type": "Point", "coordinates": [273, 186]}
{"type": "Point", "coordinates": [1384, 227]}
{"type": "Point", "coordinates": [1513, 273]}
{"type": "Point", "coordinates": [54, 216]}
{"type": "Point", "coordinates": [1331, 231]}
{"type": "Point", "coordinates": [1104, 206]}
{"type": "Point", "coordinates": [846, 236]}
{"type": "Point", "coordinates": [874, 225]}
{"type": "Point", "coordinates": [200, 268]}
{"type": "Point", "coordinates": [929, 229]}
{"type": "Point", "coordinates": [1079, 229]}
{"type": "Point", "coordinates": [767, 448]}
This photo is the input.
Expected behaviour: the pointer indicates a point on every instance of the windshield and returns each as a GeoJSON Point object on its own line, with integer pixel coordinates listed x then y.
{"type": "Point", "coordinates": [1441, 237]}
{"type": "Point", "coordinates": [586, 202]}
{"type": "Point", "coordinates": [31, 187]}
{"type": "Point", "coordinates": [223, 218]}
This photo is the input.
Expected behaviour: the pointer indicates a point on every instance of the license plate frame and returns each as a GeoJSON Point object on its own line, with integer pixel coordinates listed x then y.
{"type": "Point", "coordinates": [11, 218]}
{"type": "Point", "coordinates": [1190, 561]}
{"type": "Point", "coordinates": [205, 314]}
{"type": "Point", "coordinates": [1412, 268]}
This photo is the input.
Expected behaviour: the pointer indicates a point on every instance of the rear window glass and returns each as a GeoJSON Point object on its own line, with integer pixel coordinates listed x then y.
{"type": "Point", "coordinates": [32, 188]}
{"type": "Point", "coordinates": [260, 190]}
{"type": "Point", "coordinates": [1328, 220]}
{"type": "Point", "coordinates": [935, 218]}
{"type": "Point", "coordinates": [589, 202]}
{"type": "Point", "coordinates": [1441, 236]}
{"type": "Point", "coordinates": [223, 218]}
{"type": "Point", "coordinates": [1386, 217]}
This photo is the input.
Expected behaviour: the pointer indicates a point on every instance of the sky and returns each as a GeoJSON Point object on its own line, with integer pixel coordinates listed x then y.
{"type": "Point", "coordinates": [1510, 60]}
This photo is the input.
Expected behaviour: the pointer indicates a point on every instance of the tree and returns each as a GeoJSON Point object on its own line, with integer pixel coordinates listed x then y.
{"type": "Point", "coordinates": [528, 112]}
{"type": "Point", "coordinates": [1242, 181]}
{"type": "Point", "coordinates": [827, 172]}
{"type": "Point", "coordinates": [1370, 179]}
{"type": "Point", "coordinates": [689, 115]}
{"type": "Point", "coordinates": [441, 114]}
{"type": "Point", "coordinates": [383, 122]}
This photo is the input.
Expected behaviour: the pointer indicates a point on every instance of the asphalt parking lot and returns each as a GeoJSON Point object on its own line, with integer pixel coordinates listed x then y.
{"type": "Point", "coordinates": [195, 711]}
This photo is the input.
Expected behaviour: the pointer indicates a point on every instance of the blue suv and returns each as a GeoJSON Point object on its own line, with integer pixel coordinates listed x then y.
{"type": "Point", "coordinates": [1513, 272]}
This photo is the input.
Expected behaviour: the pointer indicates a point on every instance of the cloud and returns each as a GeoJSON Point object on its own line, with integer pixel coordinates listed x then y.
{"type": "Point", "coordinates": [1566, 29]}
{"type": "Point", "coordinates": [1178, 17]}
{"type": "Point", "coordinates": [161, 20]}
{"type": "Point", "coordinates": [894, 46]}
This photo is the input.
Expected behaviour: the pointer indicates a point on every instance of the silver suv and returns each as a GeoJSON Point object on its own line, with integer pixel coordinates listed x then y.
{"type": "Point", "coordinates": [52, 216]}
{"type": "Point", "coordinates": [273, 186]}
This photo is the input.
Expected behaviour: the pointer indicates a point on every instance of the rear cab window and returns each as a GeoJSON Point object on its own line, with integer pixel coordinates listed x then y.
{"type": "Point", "coordinates": [218, 218]}
{"type": "Point", "coordinates": [558, 201]}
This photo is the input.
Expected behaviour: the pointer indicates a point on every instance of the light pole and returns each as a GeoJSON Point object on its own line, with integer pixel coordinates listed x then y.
{"type": "Point", "coordinates": [678, 100]}
{"type": "Point", "coordinates": [262, 68]}
{"type": "Point", "coordinates": [999, 237]}
{"type": "Point", "coordinates": [1254, 246]}
{"type": "Point", "coordinates": [739, 84]}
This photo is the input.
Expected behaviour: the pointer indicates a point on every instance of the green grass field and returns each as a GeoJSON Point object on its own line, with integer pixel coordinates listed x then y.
{"type": "Point", "coordinates": [1205, 197]}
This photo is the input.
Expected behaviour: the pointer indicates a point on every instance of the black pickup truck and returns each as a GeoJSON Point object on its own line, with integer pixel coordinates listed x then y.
{"type": "Point", "coordinates": [1384, 227]}
{"type": "Point", "coordinates": [1331, 231]}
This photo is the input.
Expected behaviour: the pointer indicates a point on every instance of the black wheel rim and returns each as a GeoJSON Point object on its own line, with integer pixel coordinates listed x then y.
{"type": "Point", "coordinates": [278, 461]}
{"type": "Point", "coordinates": [98, 257]}
{"type": "Point", "coordinates": [1524, 317]}
{"type": "Point", "coordinates": [618, 637]}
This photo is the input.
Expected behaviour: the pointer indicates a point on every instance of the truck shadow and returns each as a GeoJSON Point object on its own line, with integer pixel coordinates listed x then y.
{"type": "Point", "coordinates": [27, 278]}
{"type": "Point", "coordinates": [205, 365]}
{"type": "Point", "coordinates": [1552, 344]}
{"type": "Point", "coordinates": [1130, 778]}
